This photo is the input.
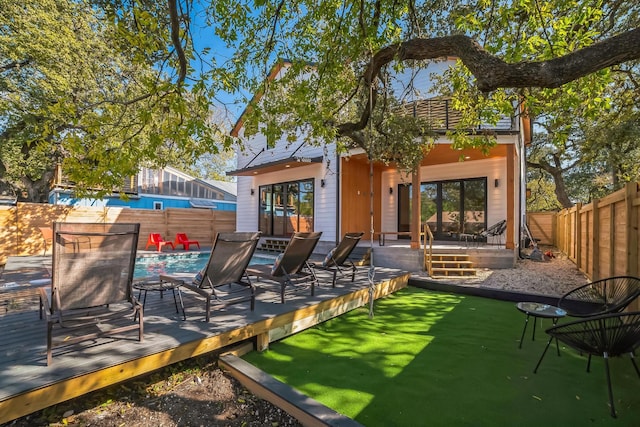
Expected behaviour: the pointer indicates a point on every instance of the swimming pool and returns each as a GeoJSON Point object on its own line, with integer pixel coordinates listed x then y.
{"type": "Point", "coordinates": [153, 265]}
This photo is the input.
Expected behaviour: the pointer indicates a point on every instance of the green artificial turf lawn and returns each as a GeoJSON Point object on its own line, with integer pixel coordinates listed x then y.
{"type": "Point", "coordinates": [436, 359]}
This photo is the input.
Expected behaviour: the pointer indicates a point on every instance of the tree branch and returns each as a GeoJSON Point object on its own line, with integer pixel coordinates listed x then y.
{"type": "Point", "coordinates": [12, 65]}
{"type": "Point", "coordinates": [492, 73]}
{"type": "Point", "coordinates": [177, 43]}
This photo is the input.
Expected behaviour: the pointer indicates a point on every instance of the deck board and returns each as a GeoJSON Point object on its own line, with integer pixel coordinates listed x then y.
{"type": "Point", "coordinates": [27, 384]}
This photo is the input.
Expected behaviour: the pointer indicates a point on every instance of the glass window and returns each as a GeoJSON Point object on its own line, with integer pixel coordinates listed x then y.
{"type": "Point", "coordinates": [448, 207]}
{"type": "Point", "coordinates": [286, 208]}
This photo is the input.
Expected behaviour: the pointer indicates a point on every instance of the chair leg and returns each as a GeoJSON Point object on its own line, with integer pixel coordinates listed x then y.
{"type": "Point", "coordinates": [633, 360]}
{"type": "Point", "coordinates": [184, 314]}
{"type": "Point", "coordinates": [526, 322]}
{"type": "Point", "coordinates": [335, 276]}
{"type": "Point", "coordinates": [606, 368]}
{"type": "Point", "coordinates": [49, 342]}
{"type": "Point", "coordinates": [543, 353]}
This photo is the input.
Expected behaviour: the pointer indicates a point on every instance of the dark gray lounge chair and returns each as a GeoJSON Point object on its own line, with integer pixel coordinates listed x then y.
{"type": "Point", "coordinates": [292, 266]}
{"type": "Point", "coordinates": [91, 294]}
{"type": "Point", "coordinates": [337, 260]}
{"type": "Point", "coordinates": [221, 281]}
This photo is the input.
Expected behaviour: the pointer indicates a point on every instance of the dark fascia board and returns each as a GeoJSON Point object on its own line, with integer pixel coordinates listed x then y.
{"type": "Point", "coordinates": [288, 162]}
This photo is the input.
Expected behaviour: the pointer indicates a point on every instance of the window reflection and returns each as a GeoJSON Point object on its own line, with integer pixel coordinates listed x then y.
{"type": "Point", "coordinates": [286, 208]}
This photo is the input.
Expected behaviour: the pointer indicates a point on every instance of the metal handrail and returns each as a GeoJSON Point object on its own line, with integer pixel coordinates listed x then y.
{"type": "Point", "coordinates": [428, 237]}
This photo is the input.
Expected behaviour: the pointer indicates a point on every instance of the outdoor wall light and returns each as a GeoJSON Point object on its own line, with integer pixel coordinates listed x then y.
{"type": "Point", "coordinates": [322, 183]}
{"type": "Point", "coordinates": [390, 190]}
{"type": "Point", "coordinates": [496, 182]}
{"type": "Point", "coordinates": [253, 191]}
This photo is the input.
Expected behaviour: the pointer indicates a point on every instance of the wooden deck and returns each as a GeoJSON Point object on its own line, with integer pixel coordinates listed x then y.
{"type": "Point", "coordinates": [27, 384]}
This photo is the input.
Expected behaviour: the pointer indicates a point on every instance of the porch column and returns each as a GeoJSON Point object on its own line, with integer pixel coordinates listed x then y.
{"type": "Point", "coordinates": [415, 209]}
{"type": "Point", "coordinates": [511, 190]}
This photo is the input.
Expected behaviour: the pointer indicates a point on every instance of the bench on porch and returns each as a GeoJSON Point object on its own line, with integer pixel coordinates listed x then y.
{"type": "Point", "coordinates": [382, 234]}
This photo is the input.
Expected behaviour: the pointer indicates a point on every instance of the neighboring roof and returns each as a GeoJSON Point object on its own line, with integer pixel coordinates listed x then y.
{"type": "Point", "coordinates": [8, 200]}
{"type": "Point", "coordinates": [226, 186]}
{"type": "Point", "coordinates": [206, 203]}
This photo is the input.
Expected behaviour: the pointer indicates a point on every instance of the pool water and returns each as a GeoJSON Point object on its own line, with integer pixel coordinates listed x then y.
{"type": "Point", "coordinates": [154, 265]}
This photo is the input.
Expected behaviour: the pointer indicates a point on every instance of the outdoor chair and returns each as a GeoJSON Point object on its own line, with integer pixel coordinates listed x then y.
{"type": "Point", "coordinates": [155, 239]}
{"type": "Point", "coordinates": [91, 285]}
{"type": "Point", "coordinates": [291, 268]}
{"type": "Point", "coordinates": [609, 295]}
{"type": "Point", "coordinates": [220, 282]}
{"type": "Point", "coordinates": [182, 239]}
{"type": "Point", "coordinates": [337, 260]}
{"type": "Point", "coordinates": [607, 335]}
{"type": "Point", "coordinates": [47, 237]}
{"type": "Point", "coordinates": [493, 233]}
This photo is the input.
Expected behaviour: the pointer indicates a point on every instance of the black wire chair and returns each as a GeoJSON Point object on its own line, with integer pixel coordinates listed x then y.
{"type": "Point", "coordinates": [607, 335]}
{"type": "Point", "coordinates": [494, 232]}
{"type": "Point", "coordinates": [610, 295]}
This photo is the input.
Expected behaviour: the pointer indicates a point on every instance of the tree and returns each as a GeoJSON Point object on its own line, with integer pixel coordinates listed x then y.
{"type": "Point", "coordinates": [511, 53]}
{"type": "Point", "coordinates": [75, 90]}
{"type": "Point", "coordinates": [159, 83]}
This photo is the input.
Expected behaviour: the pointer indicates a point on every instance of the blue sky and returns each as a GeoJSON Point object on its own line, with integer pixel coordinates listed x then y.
{"type": "Point", "coordinates": [204, 36]}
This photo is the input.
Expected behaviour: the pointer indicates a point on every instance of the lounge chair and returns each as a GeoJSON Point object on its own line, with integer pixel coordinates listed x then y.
{"type": "Point", "coordinates": [182, 239]}
{"type": "Point", "coordinates": [494, 232]}
{"type": "Point", "coordinates": [337, 260]}
{"type": "Point", "coordinates": [220, 282]}
{"type": "Point", "coordinates": [607, 335]}
{"type": "Point", "coordinates": [609, 295]}
{"type": "Point", "coordinates": [292, 266]}
{"type": "Point", "coordinates": [155, 239]}
{"type": "Point", "coordinates": [91, 294]}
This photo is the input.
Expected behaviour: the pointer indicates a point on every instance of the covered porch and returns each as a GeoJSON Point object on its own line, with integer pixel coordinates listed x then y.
{"type": "Point", "coordinates": [456, 199]}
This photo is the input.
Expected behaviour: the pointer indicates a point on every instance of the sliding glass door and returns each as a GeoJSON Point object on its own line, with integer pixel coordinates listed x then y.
{"type": "Point", "coordinates": [286, 208]}
{"type": "Point", "coordinates": [449, 207]}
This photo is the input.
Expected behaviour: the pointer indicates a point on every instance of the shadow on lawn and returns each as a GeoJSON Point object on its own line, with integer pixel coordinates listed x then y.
{"type": "Point", "coordinates": [430, 358]}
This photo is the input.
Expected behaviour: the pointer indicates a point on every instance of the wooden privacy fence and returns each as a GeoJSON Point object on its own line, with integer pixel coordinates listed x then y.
{"type": "Point", "coordinates": [20, 233]}
{"type": "Point", "coordinates": [542, 226]}
{"type": "Point", "coordinates": [602, 237]}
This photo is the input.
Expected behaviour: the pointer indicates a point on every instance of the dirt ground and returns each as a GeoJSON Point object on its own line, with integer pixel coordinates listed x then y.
{"type": "Point", "coordinates": [198, 393]}
{"type": "Point", "coordinates": [193, 393]}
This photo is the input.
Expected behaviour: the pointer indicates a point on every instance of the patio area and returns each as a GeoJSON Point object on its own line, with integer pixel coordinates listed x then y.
{"type": "Point", "coordinates": [27, 384]}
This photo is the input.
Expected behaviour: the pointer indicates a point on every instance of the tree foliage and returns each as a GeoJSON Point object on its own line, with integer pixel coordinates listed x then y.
{"type": "Point", "coordinates": [111, 84]}
{"type": "Point", "coordinates": [96, 91]}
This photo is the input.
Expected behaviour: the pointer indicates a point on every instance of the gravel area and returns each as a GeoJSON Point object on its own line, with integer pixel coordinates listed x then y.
{"type": "Point", "coordinates": [552, 277]}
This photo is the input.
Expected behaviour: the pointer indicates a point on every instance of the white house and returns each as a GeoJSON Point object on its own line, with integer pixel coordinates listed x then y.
{"type": "Point", "coordinates": [297, 187]}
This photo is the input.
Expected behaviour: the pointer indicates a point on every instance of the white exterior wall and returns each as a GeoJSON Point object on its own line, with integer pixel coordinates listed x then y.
{"type": "Point", "coordinates": [324, 197]}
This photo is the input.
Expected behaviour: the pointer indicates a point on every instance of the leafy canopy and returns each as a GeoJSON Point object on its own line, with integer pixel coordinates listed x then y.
{"type": "Point", "coordinates": [105, 85]}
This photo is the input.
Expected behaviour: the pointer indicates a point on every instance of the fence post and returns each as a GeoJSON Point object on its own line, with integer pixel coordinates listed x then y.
{"type": "Point", "coordinates": [595, 246]}
{"type": "Point", "coordinates": [578, 235]}
{"type": "Point", "coordinates": [631, 194]}
{"type": "Point", "coordinates": [612, 240]}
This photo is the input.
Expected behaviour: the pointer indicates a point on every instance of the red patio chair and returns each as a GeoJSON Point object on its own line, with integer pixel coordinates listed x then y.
{"type": "Point", "coordinates": [155, 239]}
{"type": "Point", "coordinates": [182, 239]}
